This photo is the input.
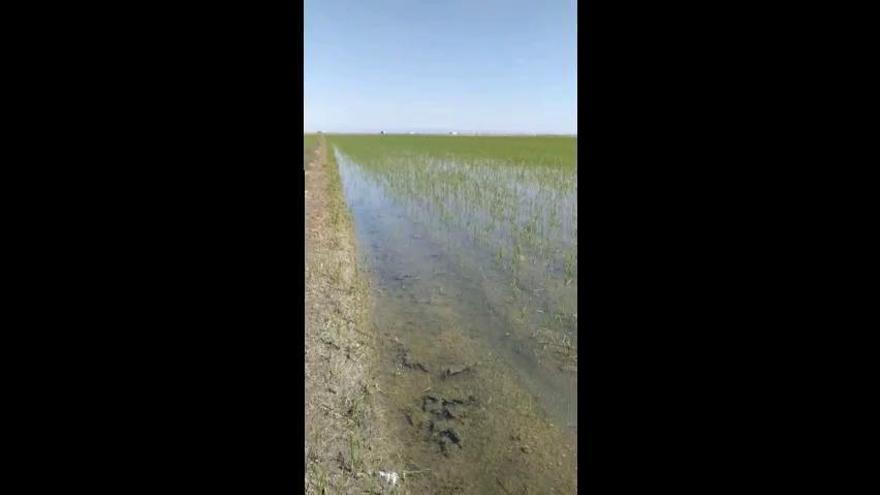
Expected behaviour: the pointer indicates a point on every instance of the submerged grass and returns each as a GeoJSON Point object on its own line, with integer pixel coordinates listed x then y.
{"type": "Point", "coordinates": [512, 198]}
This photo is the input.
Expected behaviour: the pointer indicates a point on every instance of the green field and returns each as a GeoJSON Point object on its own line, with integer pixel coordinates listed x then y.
{"type": "Point", "coordinates": [532, 150]}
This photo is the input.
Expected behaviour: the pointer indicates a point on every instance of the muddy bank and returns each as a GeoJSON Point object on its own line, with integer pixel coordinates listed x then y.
{"type": "Point", "coordinates": [345, 445]}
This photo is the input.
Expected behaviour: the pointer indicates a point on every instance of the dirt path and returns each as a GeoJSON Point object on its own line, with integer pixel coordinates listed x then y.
{"type": "Point", "coordinates": [345, 447]}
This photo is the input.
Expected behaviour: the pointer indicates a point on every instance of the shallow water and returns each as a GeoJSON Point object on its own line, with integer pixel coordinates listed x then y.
{"type": "Point", "coordinates": [473, 269]}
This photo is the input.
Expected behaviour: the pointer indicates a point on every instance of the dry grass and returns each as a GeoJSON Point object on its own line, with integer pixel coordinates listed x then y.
{"type": "Point", "coordinates": [344, 442]}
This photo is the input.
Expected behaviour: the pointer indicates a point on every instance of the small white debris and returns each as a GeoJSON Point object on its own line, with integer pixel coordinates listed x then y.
{"type": "Point", "coordinates": [390, 477]}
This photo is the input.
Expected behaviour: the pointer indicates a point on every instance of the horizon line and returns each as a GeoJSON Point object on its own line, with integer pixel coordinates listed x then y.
{"type": "Point", "coordinates": [443, 133]}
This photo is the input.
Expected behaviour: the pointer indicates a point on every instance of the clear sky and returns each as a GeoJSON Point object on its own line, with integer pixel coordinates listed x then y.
{"type": "Point", "coordinates": [440, 65]}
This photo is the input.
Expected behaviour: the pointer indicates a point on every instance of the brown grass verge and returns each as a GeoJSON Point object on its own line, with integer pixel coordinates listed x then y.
{"type": "Point", "coordinates": [345, 447]}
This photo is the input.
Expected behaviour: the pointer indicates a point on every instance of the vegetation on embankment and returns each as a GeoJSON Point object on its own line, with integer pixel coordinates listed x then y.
{"type": "Point", "coordinates": [344, 434]}
{"type": "Point", "coordinates": [310, 146]}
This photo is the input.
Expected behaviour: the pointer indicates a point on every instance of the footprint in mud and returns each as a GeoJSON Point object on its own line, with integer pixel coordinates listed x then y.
{"type": "Point", "coordinates": [456, 370]}
{"type": "Point", "coordinates": [444, 434]}
{"type": "Point", "coordinates": [406, 360]}
{"type": "Point", "coordinates": [443, 425]}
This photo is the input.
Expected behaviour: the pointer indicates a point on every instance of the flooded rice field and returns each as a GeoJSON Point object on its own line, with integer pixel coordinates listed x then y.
{"type": "Point", "coordinates": [471, 244]}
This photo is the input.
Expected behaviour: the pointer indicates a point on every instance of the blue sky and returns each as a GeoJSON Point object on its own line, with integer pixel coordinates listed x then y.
{"type": "Point", "coordinates": [440, 65]}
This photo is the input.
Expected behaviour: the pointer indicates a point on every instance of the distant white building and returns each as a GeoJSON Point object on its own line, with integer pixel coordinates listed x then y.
{"type": "Point", "coordinates": [453, 133]}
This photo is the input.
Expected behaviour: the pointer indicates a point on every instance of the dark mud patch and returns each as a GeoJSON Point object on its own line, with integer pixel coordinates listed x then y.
{"type": "Point", "coordinates": [456, 370]}
{"type": "Point", "coordinates": [444, 420]}
{"type": "Point", "coordinates": [404, 359]}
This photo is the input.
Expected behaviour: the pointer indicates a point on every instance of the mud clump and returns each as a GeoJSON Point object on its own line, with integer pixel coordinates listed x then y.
{"type": "Point", "coordinates": [444, 419]}
{"type": "Point", "coordinates": [455, 370]}
{"type": "Point", "coordinates": [441, 408]}
{"type": "Point", "coordinates": [405, 359]}
{"type": "Point", "coordinates": [444, 434]}
{"type": "Point", "coordinates": [408, 362]}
